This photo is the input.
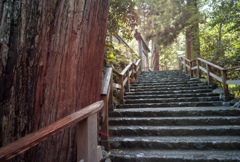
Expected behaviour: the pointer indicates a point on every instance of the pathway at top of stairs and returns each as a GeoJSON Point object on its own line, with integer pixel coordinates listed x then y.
{"type": "Point", "coordinates": [170, 117]}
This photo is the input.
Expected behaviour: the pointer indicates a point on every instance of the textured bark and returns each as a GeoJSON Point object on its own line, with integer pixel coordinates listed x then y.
{"type": "Point", "coordinates": [155, 57]}
{"type": "Point", "coordinates": [189, 33]}
{"type": "Point", "coordinates": [188, 44]}
{"type": "Point", "coordinates": [195, 32]}
{"type": "Point", "coordinates": [51, 61]}
{"type": "Point", "coordinates": [192, 33]}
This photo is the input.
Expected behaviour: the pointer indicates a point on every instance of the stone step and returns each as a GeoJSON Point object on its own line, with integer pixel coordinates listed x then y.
{"type": "Point", "coordinates": [171, 95]}
{"type": "Point", "coordinates": [133, 89]}
{"type": "Point", "coordinates": [170, 79]}
{"type": "Point", "coordinates": [168, 86]}
{"type": "Point", "coordinates": [169, 92]}
{"type": "Point", "coordinates": [175, 121]}
{"type": "Point", "coordinates": [175, 112]}
{"type": "Point", "coordinates": [180, 86]}
{"type": "Point", "coordinates": [140, 155]}
{"type": "Point", "coordinates": [171, 143]}
{"type": "Point", "coordinates": [171, 104]}
{"type": "Point", "coordinates": [168, 82]}
{"type": "Point", "coordinates": [226, 130]}
{"type": "Point", "coordinates": [167, 100]}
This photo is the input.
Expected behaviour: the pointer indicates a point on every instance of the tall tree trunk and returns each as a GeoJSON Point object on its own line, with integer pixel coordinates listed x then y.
{"type": "Point", "coordinates": [192, 32]}
{"type": "Point", "coordinates": [189, 33]}
{"type": "Point", "coordinates": [195, 31]}
{"type": "Point", "coordinates": [52, 54]}
{"type": "Point", "coordinates": [155, 57]}
{"type": "Point", "coordinates": [189, 44]}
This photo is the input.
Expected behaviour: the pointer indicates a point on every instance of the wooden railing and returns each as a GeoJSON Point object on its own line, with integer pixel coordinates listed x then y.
{"type": "Point", "coordinates": [189, 64]}
{"type": "Point", "coordinates": [130, 71]}
{"type": "Point", "coordinates": [86, 121]}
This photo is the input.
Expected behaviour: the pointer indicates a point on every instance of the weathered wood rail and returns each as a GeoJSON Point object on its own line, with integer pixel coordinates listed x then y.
{"type": "Point", "coordinates": [86, 120]}
{"type": "Point", "coordinates": [208, 70]}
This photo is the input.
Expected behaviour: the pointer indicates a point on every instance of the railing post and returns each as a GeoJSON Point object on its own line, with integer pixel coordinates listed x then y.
{"type": "Point", "coordinates": [136, 74]}
{"type": "Point", "coordinates": [185, 66]}
{"type": "Point", "coordinates": [128, 81]}
{"type": "Point", "coordinates": [210, 80]}
{"type": "Point", "coordinates": [104, 125]}
{"type": "Point", "coordinates": [225, 86]}
{"type": "Point", "coordinates": [121, 90]}
{"type": "Point", "coordinates": [110, 99]}
{"type": "Point", "coordinates": [191, 71]}
{"type": "Point", "coordinates": [140, 67]}
{"type": "Point", "coordinates": [87, 139]}
{"type": "Point", "coordinates": [198, 68]}
{"type": "Point", "coordinates": [180, 64]}
{"type": "Point", "coordinates": [132, 75]}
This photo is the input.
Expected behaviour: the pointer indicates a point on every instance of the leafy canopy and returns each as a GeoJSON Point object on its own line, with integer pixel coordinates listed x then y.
{"type": "Point", "coordinates": [123, 18]}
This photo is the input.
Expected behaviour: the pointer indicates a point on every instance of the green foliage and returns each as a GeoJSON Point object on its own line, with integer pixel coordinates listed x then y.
{"type": "Point", "coordinates": [123, 18]}
{"type": "Point", "coordinates": [225, 12]}
{"type": "Point", "coordinates": [220, 37]}
{"type": "Point", "coordinates": [118, 56]}
{"type": "Point", "coordinates": [162, 20]}
{"type": "Point", "coordinates": [225, 53]}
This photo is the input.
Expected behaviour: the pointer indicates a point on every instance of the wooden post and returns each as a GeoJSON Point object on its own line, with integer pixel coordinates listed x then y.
{"type": "Point", "coordinates": [128, 81]}
{"type": "Point", "coordinates": [136, 74]}
{"type": "Point", "coordinates": [132, 75]}
{"type": "Point", "coordinates": [110, 97]}
{"type": "Point", "coordinates": [210, 80]}
{"type": "Point", "coordinates": [87, 139]}
{"type": "Point", "coordinates": [185, 66]}
{"type": "Point", "coordinates": [191, 71]}
{"type": "Point", "coordinates": [121, 90]}
{"type": "Point", "coordinates": [180, 64]}
{"type": "Point", "coordinates": [225, 86]}
{"type": "Point", "coordinates": [104, 125]}
{"type": "Point", "coordinates": [198, 69]}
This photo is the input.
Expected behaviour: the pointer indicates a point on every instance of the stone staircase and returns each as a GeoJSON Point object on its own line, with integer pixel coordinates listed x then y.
{"type": "Point", "coordinates": [170, 117]}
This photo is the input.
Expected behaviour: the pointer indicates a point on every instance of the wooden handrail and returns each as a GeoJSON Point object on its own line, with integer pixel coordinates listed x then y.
{"type": "Point", "coordinates": [106, 82]}
{"type": "Point", "coordinates": [83, 126]}
{"type": "Point", "coordinates": [107, 97]}
{"type": "Point", "coordinates": [126, 68]}
{"type": "Point", "coordinates": [116, 72]}
{"type": "Point", "coordinates": [210, 74]}
{"type": "Point", "coordinates": [233, 68]}
{"type": "Point", "coordinates": [138, 62]}
{"type": "Point", "coordinates": [211, 64]}
{"type": "Point", "coordinates": [186, 59]}
{"type": "Point", "coordinates": [31, 140]}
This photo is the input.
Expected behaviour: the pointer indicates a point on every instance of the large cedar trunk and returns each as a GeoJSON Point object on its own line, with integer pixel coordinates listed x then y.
{"type": "Point", "coordinates": [51, 62]}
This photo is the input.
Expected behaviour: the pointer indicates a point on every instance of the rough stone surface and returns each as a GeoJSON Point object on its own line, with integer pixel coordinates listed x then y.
{"type": "Point", "coordinates": [170, 117]}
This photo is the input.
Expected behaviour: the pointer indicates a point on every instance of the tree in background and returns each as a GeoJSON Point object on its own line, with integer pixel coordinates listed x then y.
{"type": "Point", "coordinates": [123, 20]}
{"type": "Point", "coordinates": [164, 20]}
{"type": "Point", "coordinates": [52, 55]}
{"type": "Point", "coordinates": [220, 34]}
{"type": "Point", "coordinates": [220, 37]}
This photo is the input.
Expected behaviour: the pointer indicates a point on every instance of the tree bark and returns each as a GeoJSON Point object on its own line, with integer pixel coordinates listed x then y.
{"type": "Point", "coordinates": [155, 57]}
{"type": "Point", "coordinates": [195, 31]}
{"type": "Point", "coordinates": [192, 32]}
{"type": "Point", "coordinates": [51, 61]}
